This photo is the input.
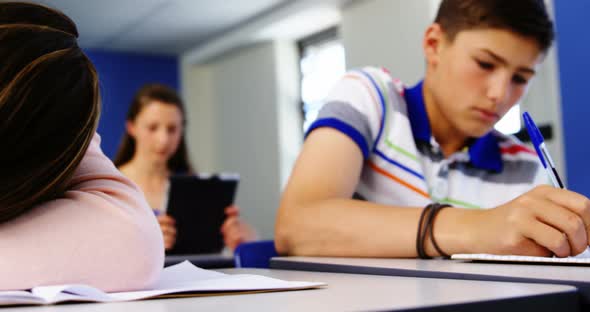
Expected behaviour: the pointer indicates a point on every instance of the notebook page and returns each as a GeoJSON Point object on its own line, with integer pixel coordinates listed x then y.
{"type": "Point", "coordinates": [174, 278]}
{"type": "Point", "coordinates": [60, 293]}
{"type": "Point", "coordinates": [581, 259]}
{"type": "Point", "coordinates": [229, 283]}
{"type": "Point", "coordinates": [181, 278]}
{"type": "Point", "coordinates": [185, 272]}
{"type": "Point", "coordinates": [19, 297]}
{"type": "Point", "coordinates": [185, 277]}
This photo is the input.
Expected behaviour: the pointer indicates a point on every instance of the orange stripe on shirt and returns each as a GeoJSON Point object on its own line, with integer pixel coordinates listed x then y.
{"type": "Point", "coordinates": [398, 180]}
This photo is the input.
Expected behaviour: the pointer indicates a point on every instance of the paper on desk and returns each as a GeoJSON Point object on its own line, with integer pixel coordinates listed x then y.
{"type": "Point", "coordinates": [181, 278]}
{"type": "Point", "coordinates": [581, 259]}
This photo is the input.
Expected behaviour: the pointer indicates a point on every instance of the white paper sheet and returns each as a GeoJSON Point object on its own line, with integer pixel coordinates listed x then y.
{"type": "Point", "coordinates": [181, 278]}
{"type": "Point", "coordinates": [581, 259]}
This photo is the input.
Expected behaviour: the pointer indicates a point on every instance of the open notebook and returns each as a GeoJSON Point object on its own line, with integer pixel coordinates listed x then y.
{"type": "Point", "coordinates": [581, 259]}
{"type": "Point", "coordinates": [182, 279]}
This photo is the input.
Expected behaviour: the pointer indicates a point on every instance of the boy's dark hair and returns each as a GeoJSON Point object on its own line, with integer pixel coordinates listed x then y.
{"type": "Point", "coordinates": [525, 17]}
{"type": "Point", "coordinates": [179, 163]}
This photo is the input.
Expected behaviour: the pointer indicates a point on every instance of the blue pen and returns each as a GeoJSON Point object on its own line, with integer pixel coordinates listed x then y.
{"type": "Point", "coordinates": [541, 148]}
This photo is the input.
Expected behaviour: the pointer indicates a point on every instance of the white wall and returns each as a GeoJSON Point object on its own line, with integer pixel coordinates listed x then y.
{"type": "Point", "coordinates": [237, 99]}
{"type": "Point", "coordinates": [197, 91]}
{"type": "Point", "coordinates": [386, 33]}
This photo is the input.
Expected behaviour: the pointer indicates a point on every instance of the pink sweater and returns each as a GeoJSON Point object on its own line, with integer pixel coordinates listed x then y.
{"type": "Point", "coordinates": [102, 233]}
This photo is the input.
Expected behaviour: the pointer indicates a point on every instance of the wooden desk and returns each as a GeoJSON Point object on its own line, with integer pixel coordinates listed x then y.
{"type": "Point", "coordinates": [354, 292]}
{"type": "Point", "coordinates": [578, 276]}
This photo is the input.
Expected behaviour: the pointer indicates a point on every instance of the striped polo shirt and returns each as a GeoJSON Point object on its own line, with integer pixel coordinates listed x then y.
{"type": "Point", "coordinates": [403, 164]}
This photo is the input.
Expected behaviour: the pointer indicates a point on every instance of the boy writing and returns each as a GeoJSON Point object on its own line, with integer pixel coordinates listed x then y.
{"type": "Point", "coordinates": [380, 154]}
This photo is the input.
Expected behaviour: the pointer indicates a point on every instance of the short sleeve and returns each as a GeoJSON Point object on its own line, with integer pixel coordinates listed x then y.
{"type": "Point", "coordinates": [354, 107]}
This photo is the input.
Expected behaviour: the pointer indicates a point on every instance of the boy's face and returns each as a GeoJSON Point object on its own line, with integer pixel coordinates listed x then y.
{"type": "Point", "coordinates": [475, 79]}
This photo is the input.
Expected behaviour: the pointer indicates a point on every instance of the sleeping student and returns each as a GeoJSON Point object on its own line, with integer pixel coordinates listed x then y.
{"type": "Point", "coordinates": [383, 162]}
{"type": "Point", "coordinates": [67, 215]}
{"type": "Point", "coordinates": [153, 148]}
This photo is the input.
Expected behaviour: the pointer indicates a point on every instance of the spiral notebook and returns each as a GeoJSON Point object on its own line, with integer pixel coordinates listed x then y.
{"type": "Point", "coordinates": [581, 259]}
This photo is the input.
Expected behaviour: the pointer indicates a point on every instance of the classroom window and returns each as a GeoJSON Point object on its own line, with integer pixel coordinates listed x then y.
{"type": "Point", "coordinates": [322, 63]}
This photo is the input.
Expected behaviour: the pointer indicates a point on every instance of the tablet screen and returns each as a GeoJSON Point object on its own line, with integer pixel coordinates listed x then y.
{"type": "Point", "coordinates": [197, 203]}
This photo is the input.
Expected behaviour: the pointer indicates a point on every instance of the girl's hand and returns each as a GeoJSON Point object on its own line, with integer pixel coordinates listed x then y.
{"type": "Point", "coordinates": [234, 230]}
{"type": "Point", "coordinates": [168, 227]}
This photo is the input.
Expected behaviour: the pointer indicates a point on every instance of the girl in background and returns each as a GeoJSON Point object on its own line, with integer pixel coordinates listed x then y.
{"type": "Point", "coordinates": [153, 148]}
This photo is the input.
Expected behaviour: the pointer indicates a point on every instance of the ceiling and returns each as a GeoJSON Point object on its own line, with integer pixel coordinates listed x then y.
{"type": "Point", "coordinates": [168, 27]}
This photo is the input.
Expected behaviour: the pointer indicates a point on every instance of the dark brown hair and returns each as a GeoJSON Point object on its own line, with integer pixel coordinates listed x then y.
{"type": "Point", "coordinates": [179, 162]}
{"type": "Point", "coordinates": [528, 18]}
{"type": "Point", "coordinates": [49, 105]}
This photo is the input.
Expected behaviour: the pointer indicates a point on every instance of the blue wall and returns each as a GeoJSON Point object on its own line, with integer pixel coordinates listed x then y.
{"type": "Point", "coordinates": [571, 18]}
{"type": "Point", "coordinates": [121, 75]}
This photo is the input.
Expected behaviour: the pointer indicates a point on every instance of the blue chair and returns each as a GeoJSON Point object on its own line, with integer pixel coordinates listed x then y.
{"type": "Point", "coordinates": [255, 254]}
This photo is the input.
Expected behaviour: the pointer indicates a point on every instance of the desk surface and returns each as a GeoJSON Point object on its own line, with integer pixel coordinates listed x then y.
{"type": "Point", "coordinates": [353, 292]}
{"type": "Point", "coordinates": [578, 276]}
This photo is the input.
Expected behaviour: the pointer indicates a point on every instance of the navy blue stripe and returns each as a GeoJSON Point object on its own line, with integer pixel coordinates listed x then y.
{"type": "Point", "coordinates": [417, 113]}
{"type": "Point", "coordinates": [395, 163]}
{"type": "Point", "coordinates": [375, 150]}
{"type": "Point", "coordinates": [382, 100]}
{"type": "Point", "coordinates": [345, 128]}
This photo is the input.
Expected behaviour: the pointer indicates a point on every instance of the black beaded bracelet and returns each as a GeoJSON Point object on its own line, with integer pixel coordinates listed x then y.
{"type": "Point", "coordinates": [426, 228]}
{"type": "Point", "coordinates": [433, 212]}
{"type": "Point", "coordinates": [421, 233]}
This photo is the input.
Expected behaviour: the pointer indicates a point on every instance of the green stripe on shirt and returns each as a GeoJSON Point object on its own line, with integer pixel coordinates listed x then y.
{"type": "Point", "coordinates": [401, 150]}
{"type": "Point", "coordinates": [459, 203]}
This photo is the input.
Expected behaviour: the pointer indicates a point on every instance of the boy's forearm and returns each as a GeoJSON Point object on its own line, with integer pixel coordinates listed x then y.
{"type": "Point", "coordinates": [455, 231]}
{"type": "Point", "coordinates": [336, 228]}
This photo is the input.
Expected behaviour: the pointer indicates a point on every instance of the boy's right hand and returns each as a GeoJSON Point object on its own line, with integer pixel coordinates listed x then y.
{"type": "Point", "coordinates": [168, 227]}
{"type": "Point", "coordinates": [542, 222]}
